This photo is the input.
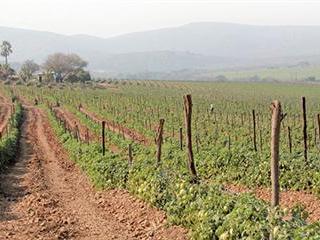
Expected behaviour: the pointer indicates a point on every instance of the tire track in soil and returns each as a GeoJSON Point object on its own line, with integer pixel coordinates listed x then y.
{"type": "Point", "coordinates": [28, 209]}
{"type": "Point", "coordinates": [45, 196]}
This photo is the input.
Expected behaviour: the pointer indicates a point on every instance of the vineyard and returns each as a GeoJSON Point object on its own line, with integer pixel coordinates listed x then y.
{"type": "Point", "coordinates": [10, 117]}
{"type": "Point", "coordinates": [200, 152]}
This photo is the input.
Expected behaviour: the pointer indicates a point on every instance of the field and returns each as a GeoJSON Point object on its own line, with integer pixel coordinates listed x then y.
{"type": "Point", "coordinates": [228, 195]}
{"type": "Point", "coordinates": [286, 74]}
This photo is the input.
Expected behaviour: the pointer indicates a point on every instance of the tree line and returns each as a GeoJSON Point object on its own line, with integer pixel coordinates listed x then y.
{"type": "Point", "coordinates": [58, 67]}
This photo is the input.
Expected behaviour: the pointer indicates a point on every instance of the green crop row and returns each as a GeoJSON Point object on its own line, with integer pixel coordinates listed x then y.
{"type": "Point", "coordinates": [10, 141]}
{"type": "Point", "coordinates": [207, 209]}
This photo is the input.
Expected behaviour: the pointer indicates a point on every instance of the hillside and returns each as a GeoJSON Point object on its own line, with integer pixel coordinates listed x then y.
{"type": "Point", "coordinates": [193, 46]}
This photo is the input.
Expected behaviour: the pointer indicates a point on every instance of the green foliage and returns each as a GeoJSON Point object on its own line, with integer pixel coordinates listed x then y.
{"type": "Point", "coordinates": [104, 171]}
{"type": "Point", "coordinates": [64, 65]}
{"type": "Point", "coordinates": [5, 71]}
{"type": "Point", "coordinates": [78, 75]}
{"type": "Point", "coordinates": [210, 211]}
{"type": "Point", "coordinates": [27, 70]}
{"type": "Point", "coordinates": [5, 50]}
{"type": "Point", "coordinates": [9, 143]}
{"type": "Point", "coordinates": [207, 209]}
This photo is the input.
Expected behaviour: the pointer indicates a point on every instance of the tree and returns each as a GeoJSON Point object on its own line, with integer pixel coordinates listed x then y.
{"type": "Point", "coordinates": [79, 75]}
{"type": "Point", "coordinates": [27, 70]}
{"type": "Point", "coordinates": [6, 50]}
{"type": "Point", "coordinates": [6, 71]}
{"type": "Point", "coordinates": [64, 64]}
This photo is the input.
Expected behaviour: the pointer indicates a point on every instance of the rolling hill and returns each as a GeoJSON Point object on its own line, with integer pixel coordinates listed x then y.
{"type": "Point", "coordinates": [204, 45]}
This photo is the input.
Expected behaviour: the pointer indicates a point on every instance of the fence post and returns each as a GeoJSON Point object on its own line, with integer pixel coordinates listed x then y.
{"type": "Point", "coordinates": [275, 140]}
{"type": "Point", "coordinates": [318, 121]}
{"type": "Point", "coordinates": [315, 136]}
{"type": "Point", "coordinates": [197, 143]}
{"type": "Point", "coordinates": [261, 140]}
{"type": "Point", "coordinates": [159, 140]}
{"type": "Point", "coordinates": [305, 136]}
{"type": "Point", "coordinates": [87, 136]}
{"type": "Point", "coordinates": [130, 158]}
{"type": "Point", "coordinates": [103, 137]}
{"type": "Point", "coordinates": [254, 130]}
{"type": "Point", "coordinates": [187, 117]}
{"type": "Point", "coordinates": [180, 138]}
{"type": "Point", "coordinates": [289, 139]}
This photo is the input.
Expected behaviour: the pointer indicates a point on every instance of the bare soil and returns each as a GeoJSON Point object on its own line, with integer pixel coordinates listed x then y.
{"type": "Point", "coordinates": [43, 195]}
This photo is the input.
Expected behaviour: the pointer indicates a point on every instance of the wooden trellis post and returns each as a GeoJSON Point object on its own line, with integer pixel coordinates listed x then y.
{"type": "Point", "coordinates": [318, 121]}
{"type": "Point", "coordinates": [87, 136]}
{"type": "Point", "coordinates": [130, 158]}
{"type": "Point", "coordinates": [261, 140]}
{"type": "Point", "coordinates": [180, 138]}
{"type": "Point", "coordinates": [187, 118]}
{"type": "Point", "coordinates": [159, 140]}
{"type": "Point", "coordinates": [304, 121]}
{"type": "Point", "coordinates": [289, 139]}
{"type": "Point", "coordinates": [275, 143]}
{"type": "Point", "coordinates": [103, 123]}
{"type": "Point", "coordinates": [254, 130]}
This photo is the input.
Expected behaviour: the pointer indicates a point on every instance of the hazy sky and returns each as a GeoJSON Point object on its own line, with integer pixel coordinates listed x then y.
{"type": "Point", "coordinates": [112, 17]}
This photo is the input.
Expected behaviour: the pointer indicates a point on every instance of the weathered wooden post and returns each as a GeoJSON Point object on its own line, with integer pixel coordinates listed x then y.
{"type": "Point", "coordinates": [315, 136]}
{"type": "Point", "coordinates": [254, 130]}
{"type": "Point", "coordinates": [275, 142]}
{"type": "Point", "coordinates": [289, 139]}
{"type": "Point", "coordinates": [305, 136]}
{"type": "Point", "coordinates": [187, 117]}
{"type": "Point", "coordinates": [261, 140]}
{"type": "Point", "coordinates": [87, 136]}
{"type": "Point", "coordinates": [103, 137]}
{"type": "Point", "coordinates": [180, 138]}
{"type": "Point", "coordinates": [197, 143]}
{"type": "Point", "coordinates": [65, 126]}
{"type": "Point", "coordinates": [76, 131]}
{"type": "Point", "coordinates": [159, 140]}
{"type": "Point", "coordinates": [130, 158]}
{"type": "Point", "coordinates": [318, 121]}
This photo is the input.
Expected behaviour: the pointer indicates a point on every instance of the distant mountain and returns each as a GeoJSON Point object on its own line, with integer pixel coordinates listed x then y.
{"type": "Point", "coordinates": [204, 45]}
{"type": "Point", "coordinates": [225, 40]}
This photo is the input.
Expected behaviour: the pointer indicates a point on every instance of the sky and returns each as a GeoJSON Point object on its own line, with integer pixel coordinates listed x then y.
{"type": "Point", "coordinates": [106, 18]}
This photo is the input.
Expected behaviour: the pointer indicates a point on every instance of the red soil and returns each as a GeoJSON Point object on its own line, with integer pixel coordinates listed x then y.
{"type": "Point", "coordinates": [45, 196]}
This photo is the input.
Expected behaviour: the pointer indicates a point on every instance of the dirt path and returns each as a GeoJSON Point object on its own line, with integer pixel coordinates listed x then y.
{"type": "Point", "coordinates": [288, 199]}
{"type": "Point", "coordinates": [45, 196]}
